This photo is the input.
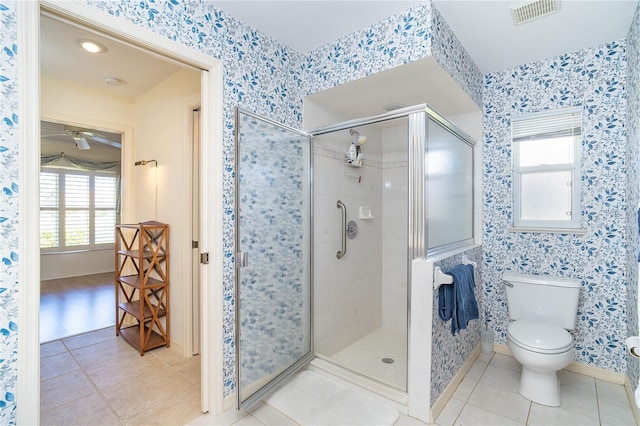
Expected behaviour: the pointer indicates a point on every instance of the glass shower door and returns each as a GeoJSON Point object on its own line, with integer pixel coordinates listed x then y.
{"type": "Point", "coordinates": [273, 254]}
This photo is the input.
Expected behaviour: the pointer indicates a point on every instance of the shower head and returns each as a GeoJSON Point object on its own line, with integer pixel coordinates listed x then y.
{"type": "Point", "coordinates": [362, 139]}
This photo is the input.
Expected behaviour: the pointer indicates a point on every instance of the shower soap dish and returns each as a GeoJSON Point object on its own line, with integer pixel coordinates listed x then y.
{"type": "Point", "coordinates": [365, 213]}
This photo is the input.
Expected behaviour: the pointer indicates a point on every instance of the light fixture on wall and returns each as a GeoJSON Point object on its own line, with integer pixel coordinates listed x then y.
{"type": "Point", "coordinates": [144, 163]}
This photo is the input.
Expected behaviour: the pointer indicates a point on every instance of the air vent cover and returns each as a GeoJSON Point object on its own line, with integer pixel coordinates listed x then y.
{"type": "Point", "coordinates": [529, 11]}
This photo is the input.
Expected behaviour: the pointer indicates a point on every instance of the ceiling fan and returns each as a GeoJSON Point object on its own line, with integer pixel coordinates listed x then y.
{"type": "Point", "coordinates": [82, 137]}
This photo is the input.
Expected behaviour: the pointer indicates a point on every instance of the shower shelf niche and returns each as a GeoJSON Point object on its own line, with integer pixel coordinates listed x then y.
{"type": "Point", "coordinates": [364, 213]}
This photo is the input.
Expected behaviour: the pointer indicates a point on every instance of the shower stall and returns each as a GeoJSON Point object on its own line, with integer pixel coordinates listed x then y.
{"type": "Point", "coordinates": [341, 217]}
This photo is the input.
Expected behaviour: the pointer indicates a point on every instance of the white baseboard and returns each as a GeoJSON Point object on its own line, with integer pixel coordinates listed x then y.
{"type": "Point", "coordinates": [453, 385]}
{"type": "Point", "coordinates": [230, 402]}
{"type": "Point", "coordinates": [577, 367]}
{"type": "Point", "coordinates": [632, 399]}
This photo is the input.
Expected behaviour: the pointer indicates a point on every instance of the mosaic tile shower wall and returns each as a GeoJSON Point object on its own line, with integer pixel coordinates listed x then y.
{"type": "Point", "coordinates": [9, 280]}
{"type": "Point", "coordinates": [633, 182]}
{"type": "Point", "coordinates": [595, 79]}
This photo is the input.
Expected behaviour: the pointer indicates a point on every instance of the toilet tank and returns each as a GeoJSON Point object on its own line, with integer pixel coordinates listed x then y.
{"type": "Point", "coordinates": [542, 298]}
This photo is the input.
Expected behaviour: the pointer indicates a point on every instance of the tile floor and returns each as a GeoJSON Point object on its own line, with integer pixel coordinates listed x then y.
{"type": "Point", "coordinates": [70, 306]}
{"type": "Point", "coordinates": [488, 395]}
{"type": "Point", "coordinates": [98, 379]}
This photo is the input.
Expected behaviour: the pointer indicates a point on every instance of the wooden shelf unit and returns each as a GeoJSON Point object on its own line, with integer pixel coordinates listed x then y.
{"type": "Point", "coordinates": [142, 284]}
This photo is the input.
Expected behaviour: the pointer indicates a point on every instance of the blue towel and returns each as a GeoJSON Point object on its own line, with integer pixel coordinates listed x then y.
{"type": "Point", "coordinates": [457, 302]}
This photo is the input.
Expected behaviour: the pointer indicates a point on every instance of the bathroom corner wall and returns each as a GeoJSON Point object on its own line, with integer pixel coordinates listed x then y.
{"type": "Point", "coordinates": [448, 352]}
{"type": "Point", "coordinates": [633, 187]}
{"type": "Point", "coordinates": [595, 79]}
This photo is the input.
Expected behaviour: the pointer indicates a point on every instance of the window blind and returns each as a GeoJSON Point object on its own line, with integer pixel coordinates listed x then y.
{"type": "Point", "coordinates": [546, 124]}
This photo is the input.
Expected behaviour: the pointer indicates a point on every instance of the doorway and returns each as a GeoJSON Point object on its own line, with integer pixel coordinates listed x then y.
{"type": "Point", "coordinates": [79, 207]}
{"type": "Point", "coordinates": [211, 235]}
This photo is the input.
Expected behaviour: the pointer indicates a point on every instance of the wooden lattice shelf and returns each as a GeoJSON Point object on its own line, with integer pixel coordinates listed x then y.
{"type": "Point", "coordinates": [142, 284]}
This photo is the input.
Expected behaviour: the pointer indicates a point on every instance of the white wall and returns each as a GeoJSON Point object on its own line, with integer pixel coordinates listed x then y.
{"type": "Point", "coordinates": [78, 104]}
{"type": "Point", "coordinates": [68, 103]}
{"type": "Point", "coordinates": [162, 133]}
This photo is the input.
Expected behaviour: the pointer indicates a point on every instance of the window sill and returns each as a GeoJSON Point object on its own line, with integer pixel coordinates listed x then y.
{"type": "Point", "coordinates": [536, 230]}
{"type": "Point", "coordinates": [43, 252]}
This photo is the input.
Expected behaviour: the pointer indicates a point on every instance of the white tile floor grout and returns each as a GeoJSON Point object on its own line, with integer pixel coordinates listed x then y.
{"type": "Point", "coordinates": [488, 395]}
{"type": "Point", "coordinates": [86, 376]}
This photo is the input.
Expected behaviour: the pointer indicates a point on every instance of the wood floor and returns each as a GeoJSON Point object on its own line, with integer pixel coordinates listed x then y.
{"type": "Point", "coordinates": [71, 306]}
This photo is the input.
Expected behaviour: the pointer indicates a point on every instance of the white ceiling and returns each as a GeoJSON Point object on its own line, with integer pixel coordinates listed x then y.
{"type": "Point", "coordinates": [305, 25]}
{"type": "Point", "coordinates": [484, 28]}
{"type": "Point", "coordinates": [62, 58]}
{"type": "Point", "coordinates": [487, 32]}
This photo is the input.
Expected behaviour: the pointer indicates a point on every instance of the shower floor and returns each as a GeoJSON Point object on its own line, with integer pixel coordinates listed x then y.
{"type": "Point", "coordinates": [365, 357]}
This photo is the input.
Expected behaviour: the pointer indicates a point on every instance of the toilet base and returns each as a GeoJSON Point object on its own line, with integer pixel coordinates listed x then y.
{"type": "Point", "coordinates": [540, 387]}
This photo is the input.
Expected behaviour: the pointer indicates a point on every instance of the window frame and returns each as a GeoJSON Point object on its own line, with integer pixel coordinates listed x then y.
{"type": "Point", "coordinates": [62, 246]}
{"type": "Point", "coordinates": [574, 223]}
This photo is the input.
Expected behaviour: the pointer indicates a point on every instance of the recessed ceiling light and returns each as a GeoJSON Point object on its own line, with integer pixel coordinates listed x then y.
{"type": "Point", "coordinates": [92, 46]}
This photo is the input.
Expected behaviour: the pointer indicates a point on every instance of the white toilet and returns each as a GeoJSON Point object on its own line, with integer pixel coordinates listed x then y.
{"type": "Point", "coordinates": [541, 310]}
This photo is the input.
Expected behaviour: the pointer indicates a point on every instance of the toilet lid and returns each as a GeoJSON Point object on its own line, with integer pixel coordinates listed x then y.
{"type": "Point", "coordinates": [542, 338]}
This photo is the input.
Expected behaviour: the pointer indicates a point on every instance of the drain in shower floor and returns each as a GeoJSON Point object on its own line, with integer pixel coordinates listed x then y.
{"type": "Point", "coordinates": [388, 360]}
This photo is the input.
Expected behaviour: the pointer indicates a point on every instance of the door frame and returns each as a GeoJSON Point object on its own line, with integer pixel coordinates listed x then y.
{"type": "Point", "coordinates": [272, 383]}
{"type": "Point", "coordinates": [28, 33]}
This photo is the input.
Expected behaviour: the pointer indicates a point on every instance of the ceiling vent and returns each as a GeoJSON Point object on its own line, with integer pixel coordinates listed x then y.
{"type": "Point", "coordinates": [529, 11]}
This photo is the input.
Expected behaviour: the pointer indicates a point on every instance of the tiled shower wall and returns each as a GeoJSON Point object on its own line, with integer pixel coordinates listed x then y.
{"type": "Point", "coordinates": [347, 290]}
{"type": "Point", "coordinates": [395, 194]}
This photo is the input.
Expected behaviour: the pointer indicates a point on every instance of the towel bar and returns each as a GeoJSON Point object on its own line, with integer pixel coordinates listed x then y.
{"type": "Point", "coordinates": [467, 261]}
{"type": "Point", "coordinates": [440, 277]}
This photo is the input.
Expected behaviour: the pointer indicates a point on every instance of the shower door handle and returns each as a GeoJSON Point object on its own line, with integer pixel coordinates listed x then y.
{"type": "Point", "coordinates": [342, 252]}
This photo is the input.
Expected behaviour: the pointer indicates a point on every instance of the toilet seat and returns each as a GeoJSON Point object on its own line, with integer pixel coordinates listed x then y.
{"type": "Point", "coordinates": [540, 338]}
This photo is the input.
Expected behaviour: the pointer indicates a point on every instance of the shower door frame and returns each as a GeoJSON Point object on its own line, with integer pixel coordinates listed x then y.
{"type": "Point", "coordinates": [418, 116]}
{"type": "Point", "coordinates": [302, 362]}
{"type": "Point", "coordinates": [416, 229]}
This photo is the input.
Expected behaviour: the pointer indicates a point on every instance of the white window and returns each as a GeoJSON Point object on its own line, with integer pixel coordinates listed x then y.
{"type": "Point", "coordinates": [77, 210]}
{"type": "Point", "coordinates": [546, 170]}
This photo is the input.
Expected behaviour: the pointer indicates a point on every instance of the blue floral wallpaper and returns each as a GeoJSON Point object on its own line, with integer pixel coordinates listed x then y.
{"type": "Point", "coordinates": [633, 185]}
{"type": "Point", "coordinates": [263, 76]}
{"type": "Point", "coordinates": [9, 280]}
{"type": "Point", "coordinates": [260, 74]}
{"type": "Point", "coordinates": [595, 79]}
{"type": "Point", "coordinates": [416, 34]}
{"type": "Point", "coordinates": [449, 353]}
